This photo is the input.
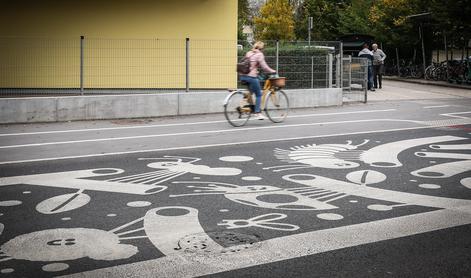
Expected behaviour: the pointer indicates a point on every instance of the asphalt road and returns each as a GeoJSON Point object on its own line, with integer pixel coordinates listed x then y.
{"type": "Point", "coordinates": [375, 190]}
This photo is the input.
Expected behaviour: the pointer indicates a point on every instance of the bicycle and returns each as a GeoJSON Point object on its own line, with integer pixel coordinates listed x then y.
{"type": "Point", "coordinates": [239, 105]}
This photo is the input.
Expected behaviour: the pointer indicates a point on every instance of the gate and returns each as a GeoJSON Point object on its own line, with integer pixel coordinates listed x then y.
{"type": "Point", "coordinates": [355, 78]}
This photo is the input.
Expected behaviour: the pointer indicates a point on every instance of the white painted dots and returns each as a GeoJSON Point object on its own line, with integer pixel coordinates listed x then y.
{"type": "Point", "coordinates": [55, 267]}
{"type": "Point", "coordinates": [7, 270]}
{"type": "Point", "coordinates": [330, 216]}
{"type": "Point", "coordinates": [10, 203]}
{"type": "Point", "coordinates": [249, 178]}
{"type": "Point", "coordinates": [66, 218]}
{"type": "Point", "coordinates": [111, 215]}
{"type": "Point", "coordinates": [240, 158]}
{"type": "Point", "coordinates": [429, 186]}
{"type": "Point", "coordinates": [139, 204]}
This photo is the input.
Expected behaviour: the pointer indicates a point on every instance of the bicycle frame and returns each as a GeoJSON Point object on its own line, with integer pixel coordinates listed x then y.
{"type": "Point", "coordinates": [267, 88]}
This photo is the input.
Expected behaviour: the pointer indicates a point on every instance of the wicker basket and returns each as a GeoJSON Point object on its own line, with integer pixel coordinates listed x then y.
{"type": "Point", "coordinates": [279, 82]}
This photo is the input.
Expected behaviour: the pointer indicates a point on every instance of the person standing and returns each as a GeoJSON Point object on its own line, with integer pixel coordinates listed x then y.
{"type": "Point", "coordinates": [368, 54]}
{"type": "Point", "coordinates": [378, 65]}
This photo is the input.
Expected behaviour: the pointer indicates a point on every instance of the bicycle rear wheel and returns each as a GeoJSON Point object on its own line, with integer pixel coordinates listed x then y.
{"type": "Point", "coordinates": [277, 106]}
{"type": "Point", "coordinates": [237, 110]}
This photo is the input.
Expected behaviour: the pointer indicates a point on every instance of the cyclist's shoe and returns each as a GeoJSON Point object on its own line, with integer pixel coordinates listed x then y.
{"type": "Point", "coordinates": [259, 116]}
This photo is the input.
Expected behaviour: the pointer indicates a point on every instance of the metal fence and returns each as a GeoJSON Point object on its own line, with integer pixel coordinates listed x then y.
{"type": "Point", "coordinates": [355, 78]}
{"type": "Point", "coordinates": [305, 65]}
{"type": "Point", "coordinates": [36, 66]}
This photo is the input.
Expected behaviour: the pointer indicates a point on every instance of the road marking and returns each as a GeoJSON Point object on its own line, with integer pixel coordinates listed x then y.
{"type": "Point", "coordinates": [291, 247]}
{"type": "Point", "coordinates": [454, 115]}
{"type": "Point", "coordinates": [196, 132]}
{"type": "Point", "coordinates": [214, 145]}
{"type": "Point", "coordinates": [437, 106]}
{"type": "Point", "coordinates": [182, 124]}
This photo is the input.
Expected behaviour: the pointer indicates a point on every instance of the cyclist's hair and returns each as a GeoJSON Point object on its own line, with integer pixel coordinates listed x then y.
{"type": "Point", "coordinates": [258, 45]}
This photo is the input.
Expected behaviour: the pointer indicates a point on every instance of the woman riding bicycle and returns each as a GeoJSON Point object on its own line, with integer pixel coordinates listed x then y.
{"type": "Point", "coordinates": [257, 59]}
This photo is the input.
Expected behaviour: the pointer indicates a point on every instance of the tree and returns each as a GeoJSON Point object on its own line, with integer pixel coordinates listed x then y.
{"type": "Point", "coordinates": [325, 15]}
{"type": "Point", "coordinates": [275, 21]}
{"type": "Point", "coordinates": [243, 18]}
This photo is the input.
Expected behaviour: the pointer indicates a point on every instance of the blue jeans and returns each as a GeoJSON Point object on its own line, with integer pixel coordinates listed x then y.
{"type": "Point", "coordinates": [254, 87]}
{"type": "Point", "coordinates": [370, 77]}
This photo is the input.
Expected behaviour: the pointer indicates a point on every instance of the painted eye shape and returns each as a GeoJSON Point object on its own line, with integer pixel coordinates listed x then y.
{"type": "Point", "coordinates": [59, 242]}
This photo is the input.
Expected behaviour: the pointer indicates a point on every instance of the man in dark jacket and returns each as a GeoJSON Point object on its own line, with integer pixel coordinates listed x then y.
{"type": "Point", "coordinates": [366, 53]}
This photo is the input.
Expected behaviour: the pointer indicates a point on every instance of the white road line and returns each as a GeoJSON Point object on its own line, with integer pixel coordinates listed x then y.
{"type": "Point", "coordinates": [196, 132]}
{"type": "Point", "coordinates": [182, 124]}
{"type": "Point", "coordinates": [454, 115]}
{"type": "Point", "coordinates": [437, 106]}
{"type": "Point", "coordinates": [289, 247]}
{"type": "Point", "coordinates": [215, 145]}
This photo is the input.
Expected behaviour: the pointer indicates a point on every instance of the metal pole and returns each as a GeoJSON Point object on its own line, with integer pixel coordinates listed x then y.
{"type": "Point", "coordinates": [337, 71]}
{"type": "Point", "coordinates": [312, 72]}
{"type": "Point", "coordinates": [277, 55]}
{"type": "Point", "coordinates": [350, 73]}
{"type": "Point", "coordinates": [341, 65]}
{"type": "Point", "coordinates": [309, 28]}
{"type": "Point", "coordinates": [446, 55]}
{"type": "Point", "coordinates": [331, 62]}
{"type": "Point", "coordinates": [365, 78]}
{"type": "Point", "coordinates": [187, 63]}
{"type": "Point", "coordinates": [397, 59]}
{"type": "Point", "coordinates": [81, 63]}
{"type": "Point", "coordinates": [423, 47]}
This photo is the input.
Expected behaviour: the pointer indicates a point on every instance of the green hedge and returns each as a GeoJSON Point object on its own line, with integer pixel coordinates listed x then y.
{"type": "Point", "coordinates": [298, 64]}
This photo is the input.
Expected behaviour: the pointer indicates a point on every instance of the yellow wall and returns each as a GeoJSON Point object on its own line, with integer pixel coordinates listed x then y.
{"type": "Point", "coordinates": [128, 43]}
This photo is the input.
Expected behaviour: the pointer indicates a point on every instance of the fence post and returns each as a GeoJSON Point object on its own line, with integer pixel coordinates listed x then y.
{"type": "Point", "coordinates": [327, 71]}
{"type": "Point", "coordinates": [277, 55]}
{"type": "Point", "coordinates": [446, 55]}
{"type": "Point", "coordinates": [82, 38]}
{"type": "Point", "coordinates": [337, 71]}
{"type": "Point", "coordinates": [187, 63]}
{"type": "Point", "coordinates": [365, 77]}
{"type": "Point", "coordinates": [331, 66]}
{"type": "Point", "coordinates": [312, 72]}
{"type": "Point", "coordinates": [341, 65]}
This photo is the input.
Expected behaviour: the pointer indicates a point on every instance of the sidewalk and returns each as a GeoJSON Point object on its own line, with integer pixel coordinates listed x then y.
{"type": "Point", "coordinates": [428, 82]}
{"type": "Point", "coordinates": [400, 90]}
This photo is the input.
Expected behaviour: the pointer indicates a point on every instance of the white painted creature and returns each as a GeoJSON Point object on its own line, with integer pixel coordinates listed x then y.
{"type": "Point", "coordinates": [344, 156]}
{"type": "Point", "coordinates": [266, 196]}
{"type": "Point", "coordinates": [66, 244]}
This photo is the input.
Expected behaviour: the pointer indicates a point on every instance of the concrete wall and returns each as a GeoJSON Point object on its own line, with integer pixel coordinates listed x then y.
{"type": "Point", "coordinates": [74, 108]}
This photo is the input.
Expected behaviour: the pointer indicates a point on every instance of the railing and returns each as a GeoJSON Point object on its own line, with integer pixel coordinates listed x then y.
{"type": "Point", "coordinates": [35, 66]}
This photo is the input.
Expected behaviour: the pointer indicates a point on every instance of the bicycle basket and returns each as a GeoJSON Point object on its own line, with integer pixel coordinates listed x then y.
{"type": "Point", "coordinates": [279, 82]}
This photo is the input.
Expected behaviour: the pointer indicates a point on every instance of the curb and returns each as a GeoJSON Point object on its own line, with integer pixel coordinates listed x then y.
{"type": "Point", "coordinates": [426, 82]}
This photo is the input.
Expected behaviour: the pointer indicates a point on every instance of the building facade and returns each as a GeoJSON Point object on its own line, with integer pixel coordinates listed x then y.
{"type": "Point", "coordinates": [127, 44]}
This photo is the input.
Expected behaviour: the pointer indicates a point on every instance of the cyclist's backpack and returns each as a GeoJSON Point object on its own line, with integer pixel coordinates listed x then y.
{"type": "Point", "coordinates": [243, 67]}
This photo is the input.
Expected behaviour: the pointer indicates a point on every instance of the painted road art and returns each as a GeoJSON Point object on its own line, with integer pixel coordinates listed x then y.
{"type": "Point", "coordinates": [173, 212]}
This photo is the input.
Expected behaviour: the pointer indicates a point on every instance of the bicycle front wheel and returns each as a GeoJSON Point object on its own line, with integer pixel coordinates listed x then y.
{"type": "Point", "coordinates": [237, 109]}
{"type": "Point", "coordinates": [277, 106]}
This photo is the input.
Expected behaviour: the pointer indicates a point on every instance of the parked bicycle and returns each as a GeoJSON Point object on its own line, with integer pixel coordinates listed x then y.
{"type": "Point", "coordinates": [239, 105]}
